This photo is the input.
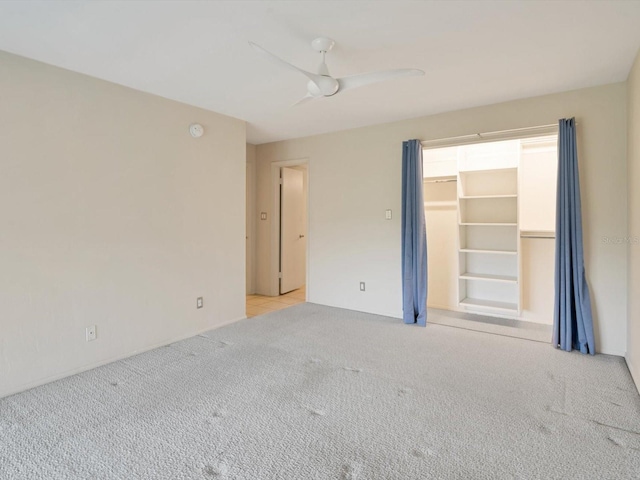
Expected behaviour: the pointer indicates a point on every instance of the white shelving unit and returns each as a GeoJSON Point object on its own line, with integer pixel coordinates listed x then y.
{"type": "Point", "coordinates": [488, 241]}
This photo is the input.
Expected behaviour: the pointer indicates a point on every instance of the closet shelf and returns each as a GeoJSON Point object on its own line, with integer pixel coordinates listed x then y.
{"type": "Point", "coordinates": [490, 171]}
{"type": "Point", "coordinates": [480, 197]}
{"type": "Point", "coordinates": [488, 221]}
{"type": "Point", "coordinates": [489, 278]}
{"type": "Point", "coordinates": [491, 224]}
{"type": "Point", "coordinates": [477, 302]}
{"type": "Point", "coordinates": [497, 252]}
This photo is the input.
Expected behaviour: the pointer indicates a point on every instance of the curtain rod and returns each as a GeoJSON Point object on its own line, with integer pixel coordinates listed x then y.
{"type": "Point", "coordinates": [488, 136]}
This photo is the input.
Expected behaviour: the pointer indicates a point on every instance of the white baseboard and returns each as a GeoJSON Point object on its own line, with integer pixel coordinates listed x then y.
{"type": "Point", "coordinates": [84, 368]}
{"type": "Point", "coordinates": [635, 375]}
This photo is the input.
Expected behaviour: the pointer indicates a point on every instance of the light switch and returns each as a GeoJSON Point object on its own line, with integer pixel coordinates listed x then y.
{"type": "Point", "coordinates": [263, 215]}
{"type": "Point", "coordinates": [387, 214]}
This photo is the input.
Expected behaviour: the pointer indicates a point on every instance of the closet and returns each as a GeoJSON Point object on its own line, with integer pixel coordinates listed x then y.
{"type": "Point", "coordinates": [490, 213]}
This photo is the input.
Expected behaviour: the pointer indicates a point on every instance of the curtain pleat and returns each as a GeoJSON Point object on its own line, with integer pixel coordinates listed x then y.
{"type": "Point", "coordinates": [573, 320]}
{"type": "Point", "coordinates": [414, 236]}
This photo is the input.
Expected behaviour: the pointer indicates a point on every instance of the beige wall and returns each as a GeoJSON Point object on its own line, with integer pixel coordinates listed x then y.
{"type": "Point", "coordinates": [633, 244]}
{"type": "Point", "coordinates": [355, 175]}
{"type": "Point", "coordinates": [112, 215]}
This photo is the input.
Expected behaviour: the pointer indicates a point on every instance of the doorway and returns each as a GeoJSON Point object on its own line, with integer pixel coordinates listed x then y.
{"type": "Point", "coordinates": [275, 233]}
{"type": "Point", "coordinates": [287, 220]}
{"type": "Point", "coordinates": [293, 228]}
{"type": "Point", "coordinates": [490, 214]}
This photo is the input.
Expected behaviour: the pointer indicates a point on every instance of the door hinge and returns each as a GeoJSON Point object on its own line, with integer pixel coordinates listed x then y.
{"type": "Point", "coordinates": [279, 274]}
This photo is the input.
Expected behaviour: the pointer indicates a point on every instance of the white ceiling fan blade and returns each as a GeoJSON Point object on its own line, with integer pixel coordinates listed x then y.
{"type": "Point", "coordinates": [311, 76]}
{"type": "Point", "coordinates": [363, 79]}
{"type": "Point", "coordinates": [308, 97]}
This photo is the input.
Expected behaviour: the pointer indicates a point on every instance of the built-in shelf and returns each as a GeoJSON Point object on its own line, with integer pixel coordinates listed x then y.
{"type": "Point", "coordinates": [476, 302]}
{"type": "Point", "coordinates": [496, 252]}
{"type": "Point", "coordinates": [488, 182]}
{"type": "Point", "coordinates": [481, 197]}
{"type": "Point", "coordinates": [488, 277]}
{"type": "Point", "coordinates": [490, 224]}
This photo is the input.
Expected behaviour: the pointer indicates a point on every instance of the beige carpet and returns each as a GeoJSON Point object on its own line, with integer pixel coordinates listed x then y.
{"type": "Point", "coordinates": [313, 392]}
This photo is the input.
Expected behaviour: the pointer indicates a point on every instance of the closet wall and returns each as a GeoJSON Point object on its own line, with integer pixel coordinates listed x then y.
{"type": "Point", "coordinates": [538, 172]}
{"type": "Point", "coordinates": [441, 216]}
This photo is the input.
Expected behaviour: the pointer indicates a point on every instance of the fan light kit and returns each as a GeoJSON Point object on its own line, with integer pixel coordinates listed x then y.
{"type": "Point", "coordinates": [322, 84]}
{"type": "Point", "coordinates": [196, 130]}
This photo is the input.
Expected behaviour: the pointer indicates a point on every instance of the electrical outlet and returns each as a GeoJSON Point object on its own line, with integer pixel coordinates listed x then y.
{"type": "Point", "coordinates": [362, 288]}
{"type": "Point", "coordinates": [263, 215]}
{"type": "Point", "coordinates": [199, 302]}
{"type": "Point", "coordinates": [387, 214]}
{"type": "Point", "coordinates": [92, 333]}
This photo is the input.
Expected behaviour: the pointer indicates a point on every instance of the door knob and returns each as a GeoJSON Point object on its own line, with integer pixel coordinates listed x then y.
{"type": "Point", "coordinates": [301, 236]}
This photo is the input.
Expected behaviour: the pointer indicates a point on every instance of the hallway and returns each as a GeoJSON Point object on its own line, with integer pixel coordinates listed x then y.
{"type": "Point", "coordinates": [260, 304]}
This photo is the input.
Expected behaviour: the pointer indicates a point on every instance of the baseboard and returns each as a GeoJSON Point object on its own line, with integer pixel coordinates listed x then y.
{"type": "Point", "coordinates": [635, 375]}
{"type": "Point", "coordinates": [84, 368]}
{"type": "Point", "coordinates": [397, 314]}
{"type": "Point", "coordinates": [444, 307]}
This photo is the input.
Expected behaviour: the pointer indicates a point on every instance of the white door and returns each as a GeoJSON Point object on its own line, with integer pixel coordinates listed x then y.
{"type": "Point", "coordinates": [292, 230]}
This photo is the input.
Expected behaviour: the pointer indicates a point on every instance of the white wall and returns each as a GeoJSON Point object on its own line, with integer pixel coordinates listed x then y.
{"type": "Point", "coordinates": [355, 175]}
{"type": "Point", "coordinates": [112, 215]}
{"type": "Point", "coordinates": [633, 245]}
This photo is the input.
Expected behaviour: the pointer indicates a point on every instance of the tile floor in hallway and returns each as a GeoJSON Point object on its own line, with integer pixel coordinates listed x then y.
{"type": "Point", "coordinates": [259, 304]}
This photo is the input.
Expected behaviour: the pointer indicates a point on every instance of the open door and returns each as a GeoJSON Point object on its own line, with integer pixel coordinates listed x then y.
{"type": "Point", "coordinates": [292, 230]}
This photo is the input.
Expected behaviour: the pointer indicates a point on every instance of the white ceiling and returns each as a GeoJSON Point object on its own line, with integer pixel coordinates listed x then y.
{"type": "Point", "coordinates": [197, 52]}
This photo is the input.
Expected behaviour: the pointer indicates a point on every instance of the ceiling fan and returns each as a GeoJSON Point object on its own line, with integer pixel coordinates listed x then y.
{"type": "Point", "coordinates": [322, 84]}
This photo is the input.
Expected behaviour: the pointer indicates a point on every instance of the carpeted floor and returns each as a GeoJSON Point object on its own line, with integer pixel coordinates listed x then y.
{"type": "Point", "coordinates": [314, 392]}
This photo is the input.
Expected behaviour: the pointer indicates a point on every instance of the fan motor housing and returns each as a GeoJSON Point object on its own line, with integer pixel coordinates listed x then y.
{"type": "Point", "coordinates": [326, 86]}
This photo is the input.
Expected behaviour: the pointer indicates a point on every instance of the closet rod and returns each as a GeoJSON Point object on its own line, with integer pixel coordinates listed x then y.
{"type": "Point", "coordinates": [540, 129]}
{"type": "Point", "coordinates": [538, 235]}
{"type": "Point", "coordinates": [441, 181]}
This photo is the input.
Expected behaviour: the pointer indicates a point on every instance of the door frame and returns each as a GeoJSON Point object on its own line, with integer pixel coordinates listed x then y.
{"type": "Point", "coordinates": [274, 266]}
{"type": "Point", "coordinates": [251, 229]}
